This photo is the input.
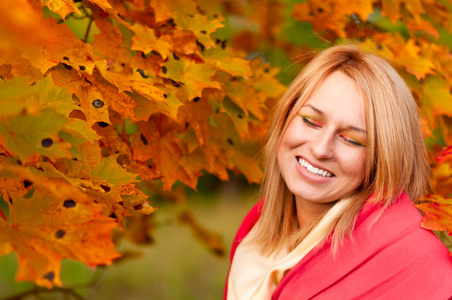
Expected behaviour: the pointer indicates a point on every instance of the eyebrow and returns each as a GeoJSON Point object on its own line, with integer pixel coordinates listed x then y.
{"type": "Point", "coordinates": [350, 127]}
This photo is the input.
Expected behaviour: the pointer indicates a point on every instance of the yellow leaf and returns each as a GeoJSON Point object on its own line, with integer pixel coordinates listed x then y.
{"type": "Point", "coordinates": [146, 41]}
{"type": "Point", "coordinates": [109, 170]}
{"type": "Point", "coordinates": [226, 61]}
{"type": "Point", "coordinates": [195, 77]}
{"type": "Point", "coordinates": [61, 7]}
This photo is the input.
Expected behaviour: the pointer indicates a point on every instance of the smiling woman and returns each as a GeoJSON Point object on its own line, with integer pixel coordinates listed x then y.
{"type": "Point", "coordinates": [345, 159]}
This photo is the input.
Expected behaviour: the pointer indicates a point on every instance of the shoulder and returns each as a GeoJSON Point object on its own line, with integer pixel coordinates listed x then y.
{"type": "Point", "coordinates": [389, 256]}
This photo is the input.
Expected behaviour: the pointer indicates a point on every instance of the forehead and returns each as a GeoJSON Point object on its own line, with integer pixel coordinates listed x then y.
{"type": "Point", "coordinates": [338, 97]}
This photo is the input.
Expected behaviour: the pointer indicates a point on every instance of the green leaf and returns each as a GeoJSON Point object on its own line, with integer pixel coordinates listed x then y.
{"type": "Point", "coordinates": [109, 170]}
{"type": "Point", "coordinates": [53, 96]}
{"type": "Point", "coordinates": [24, 133]}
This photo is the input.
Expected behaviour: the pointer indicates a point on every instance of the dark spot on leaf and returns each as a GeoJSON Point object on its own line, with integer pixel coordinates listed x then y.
{"type": "Point", "coordinates": [46, 143]}
{"type": "Point", "coordinates": [196, 99]}
{"type": "Point", "coordinates": [65, 58]}
{"type": "Point", "coordinates": [103, 124]}
{"type": "Point", "coordinates": [266, 70]}
{"type": "Point", "coordinates": [186, 126]}
{"type": "Point", "coordinates": [113, 215]}
{"type": "Point", "coordinates": [88, 81]}
{"type": "Point", "coordinates": [203, 32]}
{"type": "Point", "coordinates": [50, 276]}
{"type": "Point", "coordinates": [172, 23]}
{"type": "Point", "coordinates": [379, 46]}
{"type": "Point", "coordinates": [67, 66]}
{"type": "Point", "coordinates": [69, 203]}
{"type": "Point", "coordinates": [201, 46]}
{"type": "Point", "coordinates": [215, 16]}
{"type": "Point", "coordinates": [123, 64]}
{"type": "Point", "coordinates": [27, 183]}
{"type": "Point", "coordinates": [143, 139]}
{"type": "Point", "coordinates": [82, 68]}
{"type": "Point", "coordinates": [175, 56]}
{"type": "Point", "coordinates": [75, 159]}
{"type": "Point", "coordinates": [98, 103]}
{"type": "Point", "coordinates": [239, 116]}
{"type": "Point", "coordinates": [217, 41]}
{"type": "Point", "coordinates": [40, 169]}
{"type": "Point", "coordinates": [95, 201]}
{"type": "Point", "coordinates": [138, 206]}
{"type": "Point", "coordinates": [180, 83]}
{"type": "Point", "coordinates": [311, 13]}
{"type": "Point", "coordinates": [106, 188]}
{"type": "Point", "coordinates": [320, 10]}
{"type": "Point", "coordinates": [121, 203]}
{"type": "Point", "coordinates": [165, 96]}
{"type": "Point", "coordinates": [164, 70]}
{"type": "Point", "coordinates": [142, 73]}
{"type": "Point", "coordinates": [60, 233]}
{"type": "Point", "coordinates": [230, 142]}
{"type": "Point", "coordinates": [223, 44]}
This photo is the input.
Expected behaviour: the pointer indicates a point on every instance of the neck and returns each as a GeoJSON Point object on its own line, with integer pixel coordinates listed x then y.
{"type": "Point", "coordinates": [308, 211]}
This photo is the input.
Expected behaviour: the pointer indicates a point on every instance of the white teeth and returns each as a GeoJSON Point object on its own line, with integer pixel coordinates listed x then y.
{"type": "Point", "coordinates": [312, 169]}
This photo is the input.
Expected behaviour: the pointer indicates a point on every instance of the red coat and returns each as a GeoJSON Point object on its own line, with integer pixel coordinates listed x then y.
{"type": "Point", "coordinates": [394, 258]}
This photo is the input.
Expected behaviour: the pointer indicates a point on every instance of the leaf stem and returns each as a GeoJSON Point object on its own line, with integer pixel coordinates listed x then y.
{"type": "Point", "coordinates": [48, 159]}
{"type": "Point", "coordinates": [88, 29]}
{"type": "Point", "coordinates": [6, 151]}
{"type": "Point", "coordinates": [3, 215]}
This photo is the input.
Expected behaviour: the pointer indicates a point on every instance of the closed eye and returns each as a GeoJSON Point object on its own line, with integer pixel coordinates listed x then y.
{"type": "Point", "coordinates": [352, 141]}
{"type": "Point", "coordinates": [311, 122]}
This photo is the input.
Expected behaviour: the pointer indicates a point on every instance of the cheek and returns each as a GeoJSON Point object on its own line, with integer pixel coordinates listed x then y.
{"type": "Point", "coordinates": [357, 164]}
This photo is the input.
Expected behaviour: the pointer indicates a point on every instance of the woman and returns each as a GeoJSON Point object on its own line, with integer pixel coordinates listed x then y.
{"type": "Point", "coordinates": [344, 160]}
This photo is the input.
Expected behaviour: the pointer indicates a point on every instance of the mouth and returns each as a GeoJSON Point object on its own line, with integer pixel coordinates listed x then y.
{"type": "Point", "coordinates": [313, 170]}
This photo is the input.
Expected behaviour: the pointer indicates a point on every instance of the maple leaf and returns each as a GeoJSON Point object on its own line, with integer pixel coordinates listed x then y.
{"type": "Point", "coordinates": [436, 99]}
{"type": "Point", "coordinates": [166, 9]}
{"type": "Point", "coordinates": [438, 213]}
{"type": "Point", "coordinates": [37, 133]}
{"type": "Point", "coordinates": [146, 41]}
{"type": "Point", "coordinates": [43, 230]}
{"type": "Point", "coordinates": [445, 155]}
{"type": "Point", "coordinates": [225, 60]}
{"type": "Point", "coordinates": [61, 7]}
{"type": "Point", "coordinates": [194, 77]}
{"type": "Point", "coordinates": [109, 170]}
{"type": "Point", "coordinates": [200, 26]}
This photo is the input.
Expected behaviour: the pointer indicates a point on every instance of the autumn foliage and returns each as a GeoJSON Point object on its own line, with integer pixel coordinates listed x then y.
{"type": "Point", "coordinates": [98, 97]}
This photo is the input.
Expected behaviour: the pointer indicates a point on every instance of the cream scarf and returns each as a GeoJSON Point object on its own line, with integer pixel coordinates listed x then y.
{"type": "Point", "coordinates": [255, 277]}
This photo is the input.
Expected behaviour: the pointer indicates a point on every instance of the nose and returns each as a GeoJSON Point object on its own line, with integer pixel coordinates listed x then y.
{"type": "Point", "coordinates": [322, 145]}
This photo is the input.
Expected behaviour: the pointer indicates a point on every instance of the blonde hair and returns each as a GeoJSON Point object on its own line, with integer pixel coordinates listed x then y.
{"type": "Point", "coordinates": [396, 156]}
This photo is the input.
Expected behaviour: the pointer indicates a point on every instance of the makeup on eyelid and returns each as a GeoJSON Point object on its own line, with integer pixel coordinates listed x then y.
{"type": "Point", "coordinates": [350, 138]}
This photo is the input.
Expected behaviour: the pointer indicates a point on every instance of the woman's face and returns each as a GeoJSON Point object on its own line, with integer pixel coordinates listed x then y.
{"type": "Point", "coordinates": [322, 155]}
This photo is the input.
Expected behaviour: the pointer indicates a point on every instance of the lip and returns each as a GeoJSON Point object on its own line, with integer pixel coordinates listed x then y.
{"type": "Point", "coordinates": [311, 177]}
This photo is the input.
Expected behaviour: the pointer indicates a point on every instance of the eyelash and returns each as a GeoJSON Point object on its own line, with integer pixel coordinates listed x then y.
{"type": "Point", "coordinates": [310, 123]}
